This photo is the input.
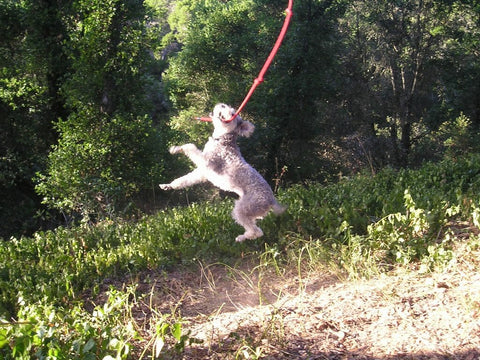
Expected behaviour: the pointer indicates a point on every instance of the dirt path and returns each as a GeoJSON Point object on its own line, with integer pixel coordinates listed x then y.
{"type": "Point", "coordinates": [249, 314]}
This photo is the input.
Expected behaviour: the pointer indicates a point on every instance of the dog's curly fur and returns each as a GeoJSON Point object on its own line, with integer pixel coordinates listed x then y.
{"type": "Point", "coordinates": [223, 165]}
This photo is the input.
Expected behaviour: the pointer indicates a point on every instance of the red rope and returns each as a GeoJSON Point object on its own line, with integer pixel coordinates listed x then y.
{"type": "Point", "coordinates": [265, 67]}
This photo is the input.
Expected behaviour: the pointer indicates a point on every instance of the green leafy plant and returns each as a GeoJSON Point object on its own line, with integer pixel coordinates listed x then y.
{"type": "Point", "coordinates": [45, 331]}
{"type": "Point", "coordinates": [459, 136]}
{"type": "Point", "coordinates": [358, 227]}
{"type": "Point", "coordinates": [402, 235]}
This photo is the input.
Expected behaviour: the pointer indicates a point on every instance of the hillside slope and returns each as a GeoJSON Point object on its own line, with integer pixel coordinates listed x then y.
{"type": "Point", "coordinates": [254, 313]}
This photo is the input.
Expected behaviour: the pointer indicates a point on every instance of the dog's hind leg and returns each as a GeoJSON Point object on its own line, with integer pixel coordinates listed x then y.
{"type": "Point", "coordinates": [247, 219]}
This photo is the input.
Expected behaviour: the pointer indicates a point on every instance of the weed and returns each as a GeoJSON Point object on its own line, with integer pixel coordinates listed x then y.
{"type": "Point", "coordinates": [248, 352]}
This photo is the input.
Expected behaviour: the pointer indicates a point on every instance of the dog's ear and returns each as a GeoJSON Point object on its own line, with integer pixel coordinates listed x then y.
{"type": "Point", "coordinates": [245, 128]}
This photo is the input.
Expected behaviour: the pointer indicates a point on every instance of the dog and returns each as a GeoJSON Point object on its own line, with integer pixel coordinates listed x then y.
{"type": "Point", "coordinates": [223, 165]}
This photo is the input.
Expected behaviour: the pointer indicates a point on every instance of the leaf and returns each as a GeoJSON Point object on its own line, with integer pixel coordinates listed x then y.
{"type": "Point", "coordinates": [438, 30]}
{"type": "Point", "coordinates": [177, 331]}
{"type": "Point", "coordinates": [3, 340]}
{"type": "Point", "coordinates": [162, 328]}
{"type": "Point", "coordinates": [88, 346]}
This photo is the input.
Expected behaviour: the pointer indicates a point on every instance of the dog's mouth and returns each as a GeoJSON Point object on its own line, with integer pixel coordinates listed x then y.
{"type": "Point", "coordinates": [223, 118]}
{"type": "Point", "coordinates": [227, 118]}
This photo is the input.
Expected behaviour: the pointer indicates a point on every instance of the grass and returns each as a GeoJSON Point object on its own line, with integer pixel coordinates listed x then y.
{"type": "Point", "coordinates": [357, 228]}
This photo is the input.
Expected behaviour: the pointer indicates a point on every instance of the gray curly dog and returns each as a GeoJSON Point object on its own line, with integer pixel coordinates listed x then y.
{"type": "Point", "coordinates": [223, 165]}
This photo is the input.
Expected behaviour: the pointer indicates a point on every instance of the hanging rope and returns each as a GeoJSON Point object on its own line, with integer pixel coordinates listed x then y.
{"type": "Point", "coordinates": [265, 67]}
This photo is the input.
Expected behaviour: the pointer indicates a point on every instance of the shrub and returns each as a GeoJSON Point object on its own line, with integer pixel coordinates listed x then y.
{"type": "Point", "coordinates": [98, 166]}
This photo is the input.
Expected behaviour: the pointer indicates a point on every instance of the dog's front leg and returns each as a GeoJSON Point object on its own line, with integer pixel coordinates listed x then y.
{"type": "Point", "coordinates": [192, 178]}
{"type": "Point", "coordinates": [191, 151]}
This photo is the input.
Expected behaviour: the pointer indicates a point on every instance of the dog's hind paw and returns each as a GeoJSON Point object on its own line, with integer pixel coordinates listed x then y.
{"type": "Point", "coordinates": [240, 238]}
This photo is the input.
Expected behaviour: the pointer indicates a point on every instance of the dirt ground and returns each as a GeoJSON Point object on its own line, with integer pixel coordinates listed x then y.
{"type": "Point", "coordinates": [234, 313]}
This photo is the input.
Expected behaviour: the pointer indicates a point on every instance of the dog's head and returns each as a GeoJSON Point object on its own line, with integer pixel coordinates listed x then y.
{"type": "Point", "coordinates": [220, 117]}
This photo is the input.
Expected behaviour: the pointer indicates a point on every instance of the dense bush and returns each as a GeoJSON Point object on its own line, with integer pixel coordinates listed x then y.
{"type": "Point", "coordinates": [96, 171]}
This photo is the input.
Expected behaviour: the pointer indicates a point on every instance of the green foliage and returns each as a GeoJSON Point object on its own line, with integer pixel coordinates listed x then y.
{"type": "Point", "coordinates": [97, 170]}
{"type": "Point", "coordinates": [355, 83]}
{"type": "Point", "coordinates": [459, 136]}
{"type": "Point", "coordinates": [108, 149]}
{"type": "Point", "coordinates": [27, 73]}
{"type": "Point", "coordinates": [166, 329]}
{"type": "Point", "coordinates": [359, 227]}
{"type": "Point", "coordinates": [403, 236]}
{"type": "Point", "coordinates": [45, 274]}
{"type": "Point", "coordinates": [220, 44]}
{"type": "Point", "coordinates": [225, 44]}
{"type": "Point", "coordinates": [402, 217]}
{"type": "Point", "coordinates": [59, 264]}
{"type": "Point", "coordinates": [401, 48]}
{"type": "Point", "coordinates": [67, 71]}
{"type": "Point", "coordinates": [108, 332]}
{"type": "Point", "coordinates": [372, 72]}
{"type": "Point", "coordinates": [109, 51]}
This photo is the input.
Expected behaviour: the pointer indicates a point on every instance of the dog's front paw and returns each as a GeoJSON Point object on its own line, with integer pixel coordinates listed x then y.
{"type": "Point", "coordinates": [165, 186]}
{"type": "Point", "coordinates": [175, 149]}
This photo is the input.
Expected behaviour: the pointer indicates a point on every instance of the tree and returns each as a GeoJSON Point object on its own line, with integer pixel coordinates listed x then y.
{"type": "Point", "coordinates": [108, 149]}
{"type": "Point", "coordinates": [459, 89]}
{"type": "Point", "coordinates": [32, 64]}
{"type": "Point", "coordinates": [400, 44]}
{"type": "Point", "coordinates": [294, 105]}
{"type": "Point", "coordinates": [223, 47]}
{"type": "Point", "coordinates": [218, 57]}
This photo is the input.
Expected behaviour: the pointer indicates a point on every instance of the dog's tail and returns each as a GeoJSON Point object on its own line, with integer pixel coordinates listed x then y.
{"type": "Point", "coordinates": [278, 208]}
